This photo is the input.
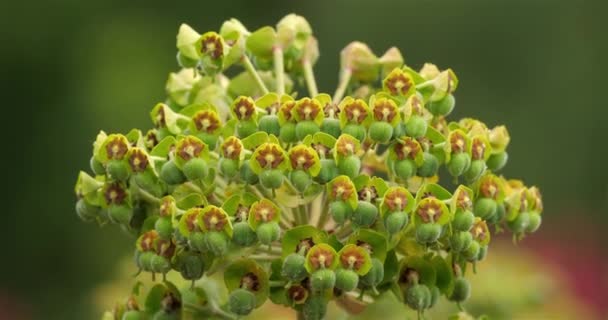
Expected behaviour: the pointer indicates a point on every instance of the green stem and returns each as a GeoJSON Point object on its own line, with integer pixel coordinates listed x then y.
{"type": "Point", "coordinates": [345, 76]}
{"type": "Point", "coordinates": [309, 76]}
{"type": "Point", "coordinates": [251, 70]}
{"type": "Point", "coordinates": [279, 69]}
{"type": "Point", "coordinates": [148, 196]}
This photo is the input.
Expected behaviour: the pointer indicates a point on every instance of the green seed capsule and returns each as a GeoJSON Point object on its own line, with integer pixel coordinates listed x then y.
{"type": "Point", "coordinates": [499, 214]}
{"type": "Point", "coordinates": [340, 211]}
{"type": "Point", "coordinates": [435, 294]}
{"type": "Point", "coordinates": [120, 213]}
{"type": "Point", "coordinates": [195, 169]}
{"type": "Point", "coordinates": [472, 252]}
{"type": "Point", "coordinates": [405, 169]}
{"type": "Point", "coordinates": [97, 167]}
{"type": "Point", "coordinates": [144, 260]}
{"type": "Point", "coordinates": [191, 266]}
{"type": "Point", "coordinates": [270, 124]}
{"type": "Point", "coordinates": [350, 166]}
{"type": "Point", "coordinates": [463, 220]}
{"type": "Point", "coordinates": [459, 164]}
{"type": "Point", "coordinates": [271, 179]}
{"type": "Point", "coordinates": [300, 180]}
{"type": "Point", "coordinates": [374, 276]}
{"type": "Point", "coordinates": [380, 132]}
{"type": "Point", "coordinates": [365, 215]}
{"type": "Point", "coordinates": [442, 107]}
{"type": "Point", "coordinates": [246, 128]}
{"type": "Point", "coordinates": [229, 167]}
{"type": "Point", "coordinates": [197, 241]}
{"type": "Point", "coordinates": [416, 127]}
{"type": "Point", "coordinates": [396, 221]}
{"type": "Point", "coordinates": [418, 296]}
{"type": "Point", "coordinates": [159, 264]}
{"type": "Point", "coordinates": [216, 242]}
{"type": "Point", "coordinates": [171, 174]}
{"type": "Point", "coordinates": [328, 172]}
{"type": "Point", "coordinates": [461, 290]}
{"type": "Point", "coordinates": [305, 128]}
{"type": "Point", "coordinates": [268, 232]}
{"type": "Point", "coordinates": [322, 279]}
{"type": "Point", "coordinates": [427, 233]}
{"type": "Point", "coordinates": [520, 223]}
{"type": "Point", "coordinates": [485, 208]}
{"type": "Point", "coordinates": [243, 235]}
{"type": "Point", "coordinates": [460, 241]}
{"type": "Point", "coordinates": [293, 267]}
{"type": "Point", "coordinates": [346, 280]}
{"type": "Point", "coordinates": [133, 315]}
{"type": "Point", "coordinates": [86, 211]}
{"type": "Point", "coordinates": [534, 222]}
{"type": "Point", "coordinates": [247, 174]}
{"type": "Point", "coordinates": [331, 127]}
{"type": "Point", "coordinates": [355, 130]}
{"type": "Point", "coordinates": [315, 308]}
{"type": "Point", "coordinates": [429, 166]}
{"type": "Point", "coordinates": [164, 227]}
{"type": "Point", "coordinates": [477, 168]}
{"type": "Point", "coordinates": [288, 132]}
{"type": "Point", "coordinates": [497, 161]}
{"type": "Point", "coordinates": [118, 170]}
{"type": "Point", "coordinates": [399, 131]}
{"type": "Point", "coordinates": [241, 302]}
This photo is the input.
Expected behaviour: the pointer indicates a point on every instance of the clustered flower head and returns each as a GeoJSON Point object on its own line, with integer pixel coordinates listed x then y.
{"type": "Point", "coordinates": [297, 199]}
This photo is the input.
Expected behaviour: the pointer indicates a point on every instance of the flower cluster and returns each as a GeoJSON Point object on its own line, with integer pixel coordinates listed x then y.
{"type": "Point", "coordinates": [302, 200]}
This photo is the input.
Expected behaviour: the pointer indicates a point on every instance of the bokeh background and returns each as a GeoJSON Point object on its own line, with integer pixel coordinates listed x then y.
{"type": "Point", "coordinates": [70, 68]}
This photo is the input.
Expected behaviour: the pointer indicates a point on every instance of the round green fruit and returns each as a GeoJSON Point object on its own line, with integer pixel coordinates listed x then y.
{"type": "Point", "coordinates": [315, 308]}
{"type": "Point", "coordinates": [497, 161]}
{"type": "Point", "coordinates": [340, 211]}
{"type": "Point", "coordinates": [459, 163]}
{"type": "Point", "coordinates": [160, 264]}
{"type": "Point", "coordinates": [460, 241]}
{"type": "Point", "coordinates": [191, 266]}
{"type": "Point", "coordinates": [241, 302]}
{"type": "Point", "coordinates": [380, 132]}
{"type": "Point", "coordinates": [477, 168]}
{"type": "Point", "coordinates": [328, 172]}
{"type": "Point", "coordinates": [195, 169]}
{"type": "Point", "coordinates": [305, 128]}
{"type": "Point", "coordinates": [118, 170]}
{"type": "Point", "coordinates": [171, 174]}
{"type": "Point", "coordinates": [97, 167]}
{"type": "Point", "coordinates": [288, 132]}
{"type": "Point", "coordinates": [346, 280]}
{"type": "Point", "coordinates": [396, 221]}
{"type": "Point", "coordinates": [331, 127]}
{"type": "Point", "coordinates": [197, 241]}
{"type": "Point", "coordinates": [365, 214]}
{"type": "Point", "coordinates": [229, 167]}
{"type": "Point", "coordinates": [268, 232]}
{"type": "Point", "coordinates": [520, 223]}
{"type": "Point", "coordinates": [322, 279]}
{"type": "Point", "coordinates": [164, 227]}
{"type": "Point", "coordinates": [350, 166]}
{"type": "Point", "coordinates": [461, 290]}
{"type": "Point", "coordinates": [533, 222]}
{"type": "Point", "coordinates": [300, 180]}
{"type": "Point", "coordinates": [427, 233]}
{"type": "Point", "coordinates": [247, 174]}
{"type": "Point", "coordinates": [216, 242]}
{"type": "Point", "coordinates": [472, 252]}
{"type": "Point", "coordinates": [429, 166]}
{"type": "Point", "coordinates": [355, 130]}
{"type": "Point", "coordinates": [405, 169]}
{"type": "Point", "coordinates": [416, 127]}
{"type": "Point", "coordinates": [463, 220]}
{"type": "Point", "coordinates": [120, 213]}
{"type": "Point", "coordinates": [418, 296]}
{"type": "Point", "coordinates": [246, 128]}
{"type": "Point", "coordinates": [86, 211]}
{"type": "Point", "coordinates": [243, 235]}
{"type": "Point", "coordinates": [271, 179]}
{"type": "Point", "coordinates": [270, 124]}
{"type": "Point", "coordinates": [442, 107]}
{"type": "Point", "coordinates": [485, 208]}
{"type": "Point", "coordinates": [375, 275]}
{"type": "Point", "coordinates": [293, 267]}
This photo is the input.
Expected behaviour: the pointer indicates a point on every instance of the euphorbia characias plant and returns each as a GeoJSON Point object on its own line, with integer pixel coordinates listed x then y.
{"type": "Point", "coordinates": [302, 199]}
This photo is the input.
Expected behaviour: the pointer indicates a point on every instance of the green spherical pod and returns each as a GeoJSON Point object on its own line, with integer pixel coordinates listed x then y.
{"type": "Point", "coordinates": [229, 167]}
{"type": "Point", "coordinates": [485, 208]}
{"type": "Point", "coordinates": [300, 180]}
{"type": "Point", "coordinates": [499, 214]}
{"type": "Point", "coordinates": [144, 260]}
{"type": "Point", "coordinates": [350, 166]}
{"type": "Point", "coordinates": [171, 174]}
{"type": "Point", "coordinates": [246, 128]}
{"type": "Point", "coordinates": [271, 179]}
{"type": "Point", "coordinates": [241, 302]}
{"type": "Point", "coordinates": [429, 166]}
{"type": "Point", "coordinates": [164, 227]}
{"type": "Point", "coordinates": [365, 214]}
{"type": "Point", "coordinates": [477, 168]}
{"type": "Point", "coordinates": [195, 169]}
{"type": "Point", "coordinates": [86, 211]}
{"type": "Point", "coordinates": [118, 170]}
{"type": "Point", "coordinates": [520, 223]}
{"type": "Point", "coordinates": [268, 232]}
{"type": "Point", "coordinates": [497, 161]}
{"type": "Point", "coordinates": [331, 127]}
{"type": "Point", "coordinates": [396, 221]}
{"type": "Point", "coordinates": [355, 130]}
{"type": "Point", "coordinates": [340, 211]}
{"type": "Point", "coordinates": [293, 267]}
{"type": "Point", "coordinates": [405, 169]}
{"type": "Point", "coordinates": [97, 167]}
{"type": "Point", "coordinates": [418, 296]}
{"type": "Point", "coordinates": [346, 280]}
{"type": "Point", "coordinates": [461, 290]}
{"type": "Point", "coordinates": [534, 222]}
{"type": "Point", "coordinates": [463, 220]}
{"type": "Point", "coordinates": [427, 233]}
{"type": "Point", "coordinates": [380, 132]}
{"type": "Point", "coordinates": [197, 241]}
{"type": "Point", "coordinates": [247, 174]}
{"type": "Point", "coordinates": [288, 132]}
{"type": "Point", "coordinates": [322, 279]}
{"type": "Point", "coordinates": [460, 241]}
{"type": "Point", "coordinates": [306, 127]}
{"type": "Point", "coordinates": [191, 266]}
{"type": "Point", "coordinates": [442, 107]}
{"type": "Point", "coordinates": [399, 130]}
{"type": "Point", "coordinates": [216, 242]}
{"type": "Point", "coordinates": [315, 308]}
{"type": "Point", "coordinates": [270, 124]}
{"type": "Point", "coordinates": [328, 172]}
{"type": "Point", "coordinates": [472, 252]}
{"type": "Point", "coordinates": [159, 264]}
{"type": "Point", "coordinates": [459, 164]}
{"type": "Point", "coordinates": [120, 213]}
{"type": "Point", "coordinates": [243, 235]}
{"type": "Point", "coordinates": [374, 276]}
{"type": "Point", "coordinates": [416, 127]}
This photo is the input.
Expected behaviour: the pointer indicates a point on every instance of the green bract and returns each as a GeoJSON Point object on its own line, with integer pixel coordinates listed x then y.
{"type": "Point", "coordinates": [248, 171]}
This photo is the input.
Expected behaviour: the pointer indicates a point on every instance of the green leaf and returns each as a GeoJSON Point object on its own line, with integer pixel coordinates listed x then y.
{"type": "Point", "coordinates": [154, 299]}
{"type": "Point", "coordinates": [86, 184]}
{"type": "Point", "coordinates": [255, 140]}
{"type": "Point", "coordinates": [261, 42]}
{"type": "Point", "coordinates": [373, 238]}
{"type": "Point", "coordinates": [444, 274]}
{"type": "Point", "coordinates": [238, 269]}
{"type": "Point", "coordinates": [293, 237]}
{"type": "Point", "coordinates": [425, 270]}
{"type": "Point", "coordinates": [190, 201]}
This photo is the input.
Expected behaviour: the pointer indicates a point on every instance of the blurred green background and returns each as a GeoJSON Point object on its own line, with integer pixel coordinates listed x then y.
{"type": "Point", "coordinates": [71, 68]}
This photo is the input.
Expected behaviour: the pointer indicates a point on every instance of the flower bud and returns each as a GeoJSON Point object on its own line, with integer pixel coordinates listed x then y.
{"type": "Point", "coordinates": [346, 279]}
{"type": "Point", "coordinates": [365, 214]}
{"type": "Point", "coordinates": [459, 163]}
{"type": "Point", "coordinates": [243, 235]}
{"type": "Point", "coordinates": [118, 170]}
{"type": "Point", "coordinates": [463, 220]}
{"type": "Point", "coordinates": [405, 169]}
{"type": "Point", "coordinates": [271, 179]}
{"type": "Point", "coordinates": [427, 233]}
{"type": "Point", "coordinates": [171, 174]}
{"type": "Point", "coordinates": [429, 166]}
{"type": "Point", "coordinates": [268, 232]}
{"type": "Point", "coordinates": [442, 107]}
{"type": "Point", "coordinates": [418, 296]}
{"type": "Point", "coordinates": [461, 290]}
{"type": "Point", "coordinates": [340, 211]}
{"type": "Point", "coordinates": [195, 169]}
{"type": "Point", "coordinates": [293, 267]}
{"type": "Point", "coordinates": [497, 161]}
{"type": "Point", "coordinates": [241, 302]}
{"type": "Point", "coordinates": [322, 279]}
{"type": "Point", "coordinates": [396, 221]}
{"type": "Point", "coordinates": [416, 127]}
{"type": "Point", "coordinates": [461, 240]}
{"type": "Point", "coordinates": [485, 208]}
